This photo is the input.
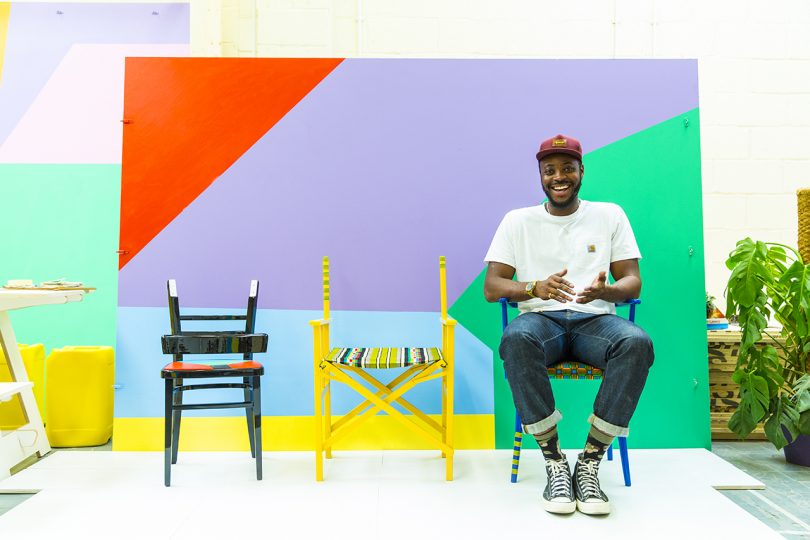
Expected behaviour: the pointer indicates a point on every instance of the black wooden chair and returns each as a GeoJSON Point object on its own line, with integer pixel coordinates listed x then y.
{"type": "Point", "coordinates": [182, 342]}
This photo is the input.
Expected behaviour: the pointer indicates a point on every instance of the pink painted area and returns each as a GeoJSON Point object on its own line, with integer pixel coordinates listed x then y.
{"type": "Point", "coordinates": [76, 118]}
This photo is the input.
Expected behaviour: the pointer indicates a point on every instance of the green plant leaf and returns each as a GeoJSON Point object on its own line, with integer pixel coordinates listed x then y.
{"type": "Point", "coordinates": [801, 393]}
{"type": "Point", "coordinates": [754, 396]}
{"type": "Point", "coordinates": [770, 366]}
{"type": "Point", "coordinates": [784, 416]}
{"type": "Point", "coordinates": [773, 430]}
{"type": "Point", "coordinates": [770, 280]}
{"type": "Point", "coordinates": [804, 423]}
{"type": "Point", "coordinates": [759, 389]}
{"type": "Point", "coordinates": [746, 266]}
{"type": "Point", "coordinates": [741, 422]}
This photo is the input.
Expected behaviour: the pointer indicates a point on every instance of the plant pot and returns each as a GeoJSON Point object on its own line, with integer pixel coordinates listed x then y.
{"type": "Point", "coordinates": [798, 451]}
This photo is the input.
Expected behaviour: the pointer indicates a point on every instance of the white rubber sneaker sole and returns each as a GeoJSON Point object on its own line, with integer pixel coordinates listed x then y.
{"type": "Point", "coordinates": [559, 507]}
{"type": "Point", "coordinates": [594, 508]}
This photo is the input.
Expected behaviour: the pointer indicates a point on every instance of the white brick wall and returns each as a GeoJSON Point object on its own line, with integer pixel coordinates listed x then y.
{"type": "Point", "coordinates": [754, 69]}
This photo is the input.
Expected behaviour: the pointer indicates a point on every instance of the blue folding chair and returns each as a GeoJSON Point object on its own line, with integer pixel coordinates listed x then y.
{"type": "Point", "coordinates": [569, 370]}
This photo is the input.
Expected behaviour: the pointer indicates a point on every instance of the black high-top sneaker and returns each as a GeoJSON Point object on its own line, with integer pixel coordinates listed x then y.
{"type": "Point", "coordinates": [558, 497]}
{"type": "Point", "coordinates": [590, 497]}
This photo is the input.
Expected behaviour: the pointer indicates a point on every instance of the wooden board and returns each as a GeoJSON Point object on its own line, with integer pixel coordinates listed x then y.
{"type": "Point", "coordinates": [85, 289]}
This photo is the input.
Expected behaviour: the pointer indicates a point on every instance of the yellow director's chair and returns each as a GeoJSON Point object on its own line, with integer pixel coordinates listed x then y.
{"type": "Point", "coordinates": [422, 364]}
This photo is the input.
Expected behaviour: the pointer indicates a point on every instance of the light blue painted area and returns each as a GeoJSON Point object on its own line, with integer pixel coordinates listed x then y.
{"type": "Point", "coordinates": [287, 386]}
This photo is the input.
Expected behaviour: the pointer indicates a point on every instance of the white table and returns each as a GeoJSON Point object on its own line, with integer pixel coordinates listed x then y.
{"type": "Point", "coordinates": [29, 439]}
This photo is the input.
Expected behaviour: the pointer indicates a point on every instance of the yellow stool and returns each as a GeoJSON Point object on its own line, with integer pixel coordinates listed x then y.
{"type": "Point", "coordinates": [11, 414]}
{"type": "Point", "coordinates": [80, 396]}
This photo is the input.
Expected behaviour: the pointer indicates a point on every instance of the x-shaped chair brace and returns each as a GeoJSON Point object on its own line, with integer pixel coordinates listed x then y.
{"type": "Point", "coordinates": [382, 399]}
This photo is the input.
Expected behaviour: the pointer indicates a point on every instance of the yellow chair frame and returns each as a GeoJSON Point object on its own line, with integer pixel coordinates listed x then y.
{"type": "Point", "coordinates": [381, 396]}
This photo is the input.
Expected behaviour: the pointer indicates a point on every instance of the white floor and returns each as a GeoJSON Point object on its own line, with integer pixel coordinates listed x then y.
{"type": "Point", "coordinates": [392, 494]}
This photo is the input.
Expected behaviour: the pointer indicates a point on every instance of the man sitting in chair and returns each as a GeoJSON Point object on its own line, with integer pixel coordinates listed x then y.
{"type": "Point", "coordinates": [559, 253]}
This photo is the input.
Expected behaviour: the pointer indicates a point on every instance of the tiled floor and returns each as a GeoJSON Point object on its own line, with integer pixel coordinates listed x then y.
{"type": "Point", "coordinates": [782, 506]}
{"type": "Point", "coordinates": [10, 500]}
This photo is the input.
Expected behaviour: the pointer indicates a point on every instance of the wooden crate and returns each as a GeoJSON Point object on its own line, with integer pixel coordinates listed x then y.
{"type": "Point", "coordinates": [724, 394]}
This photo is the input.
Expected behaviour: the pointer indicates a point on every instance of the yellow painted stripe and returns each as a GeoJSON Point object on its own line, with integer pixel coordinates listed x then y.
{"type": "Point", "coordinates": [229, 433]}
{"type": "Point", "coordinates": [5, 13]}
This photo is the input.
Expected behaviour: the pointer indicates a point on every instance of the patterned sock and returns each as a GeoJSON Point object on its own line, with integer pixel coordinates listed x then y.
{"type": "Point", "coordinates": [596, 445]}
{"type": "Point", "coordinates": [549, 443]}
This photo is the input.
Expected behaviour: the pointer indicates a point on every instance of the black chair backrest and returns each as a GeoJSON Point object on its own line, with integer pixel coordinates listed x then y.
{"type": "Point", "coordinates": [245, 342]}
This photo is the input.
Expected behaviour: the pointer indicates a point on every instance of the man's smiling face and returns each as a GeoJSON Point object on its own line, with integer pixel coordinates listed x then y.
{"type": "Point", "coordinates": [561, 176]}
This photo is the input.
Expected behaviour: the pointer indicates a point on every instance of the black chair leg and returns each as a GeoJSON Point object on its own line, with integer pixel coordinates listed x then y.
{"type": "Point", "coordinates": [167, 441]}
{"type": "Point", "coordinates": [257, 424]}
{"type": "Point", "coordinates": [176, 415]}
{"type": "Point", "coordinates": [249, 416]}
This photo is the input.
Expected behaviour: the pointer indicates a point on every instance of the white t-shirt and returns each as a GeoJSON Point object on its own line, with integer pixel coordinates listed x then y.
{"type": "Point", "coordinates": [537, 244]}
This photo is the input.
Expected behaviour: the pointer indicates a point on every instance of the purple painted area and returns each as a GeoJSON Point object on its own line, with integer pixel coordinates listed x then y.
{"type": "Point", "coordinates": [39, 36]}
{"type": "Point", "coordinates": [388, 164]}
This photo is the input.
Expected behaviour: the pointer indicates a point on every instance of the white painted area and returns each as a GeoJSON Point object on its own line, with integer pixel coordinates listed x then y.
{"type": "Point", "coordinates": [76, 118]}
{"type": "Point", "coordinates": [392, 494]}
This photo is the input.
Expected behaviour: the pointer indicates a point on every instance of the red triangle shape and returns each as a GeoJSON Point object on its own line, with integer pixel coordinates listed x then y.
{"type": "Point", "coordinates": [186, 120]}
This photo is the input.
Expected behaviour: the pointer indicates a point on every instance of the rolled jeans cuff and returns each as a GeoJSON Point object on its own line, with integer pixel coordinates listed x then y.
{"type": "Point", "coordinates": [608, 428]}
{"type": "Point", "coordinates": [543, 425]}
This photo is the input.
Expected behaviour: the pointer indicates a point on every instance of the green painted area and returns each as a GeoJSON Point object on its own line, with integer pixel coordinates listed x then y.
{"type": "Point", "coordinates": [61, 221]}
{"type": "Point", "coordinates": [655, 176]}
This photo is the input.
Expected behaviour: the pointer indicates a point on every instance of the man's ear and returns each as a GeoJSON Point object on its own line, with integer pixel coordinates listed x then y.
{"type": "Point", "coordinates": [581, 169]}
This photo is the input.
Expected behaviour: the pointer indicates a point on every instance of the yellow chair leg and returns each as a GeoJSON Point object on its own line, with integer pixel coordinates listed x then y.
{"type": "Point", "coordinates": [328, 416]}
{"type": "Point", "coordinates": [444, 413]}
{"type": "Point", "coordinates": [318, 429]}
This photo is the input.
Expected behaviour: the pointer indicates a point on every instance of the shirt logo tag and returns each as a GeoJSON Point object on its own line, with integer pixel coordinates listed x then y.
{"type": "Point", "coordinates": [591, 248]}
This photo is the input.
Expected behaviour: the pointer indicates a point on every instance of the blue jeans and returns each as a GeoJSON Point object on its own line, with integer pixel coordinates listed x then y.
{"type": "Point", "coordinates": [534, 341]}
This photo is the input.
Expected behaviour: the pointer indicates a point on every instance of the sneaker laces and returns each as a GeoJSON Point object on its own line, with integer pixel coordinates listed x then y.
{"type": "Point", "coordinates": [588, 479]}
{"type": "Point", "coordinates": [559, 478]}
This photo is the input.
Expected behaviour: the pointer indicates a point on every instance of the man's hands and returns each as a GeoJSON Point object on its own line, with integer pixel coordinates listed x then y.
{"type": "Point", "coordinates": [555, 288]}
{"type": "Point", "coordinates": [595, 291]}
{"type": "Point", "coordinates": [559, 289]}
{"type": "Point", "coordinates": [499, 283]}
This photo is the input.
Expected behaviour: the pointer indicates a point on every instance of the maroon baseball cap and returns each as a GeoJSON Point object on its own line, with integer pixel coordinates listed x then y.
{"type": "Point", "coordinates": [560, 144]}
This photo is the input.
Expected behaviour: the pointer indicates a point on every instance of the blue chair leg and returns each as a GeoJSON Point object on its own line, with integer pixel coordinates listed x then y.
{"type": "Point", "coordinates": [610, 452]}
{"type": "Point", "coordinates": [516, 449]}
{"type": "Point", "coordinates": [625, 460]}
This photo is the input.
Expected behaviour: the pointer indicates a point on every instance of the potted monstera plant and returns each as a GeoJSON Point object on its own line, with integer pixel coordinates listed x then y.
{"type": "Point", "coordinates": [771, 280]}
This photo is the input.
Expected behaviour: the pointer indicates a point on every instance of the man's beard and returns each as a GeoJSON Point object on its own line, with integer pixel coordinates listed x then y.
{"type": "Point", "coordinates": [568, 201]}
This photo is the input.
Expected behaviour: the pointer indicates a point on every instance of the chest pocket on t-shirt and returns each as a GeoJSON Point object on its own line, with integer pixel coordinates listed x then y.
{"type": "Point", "coordinates": [593, 253]}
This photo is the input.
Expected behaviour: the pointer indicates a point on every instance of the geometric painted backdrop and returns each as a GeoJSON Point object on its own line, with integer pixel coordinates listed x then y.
{"type": "Point", "coordinates": [61, 104]}
{"type": "Point", "coordinates": [255, 168]}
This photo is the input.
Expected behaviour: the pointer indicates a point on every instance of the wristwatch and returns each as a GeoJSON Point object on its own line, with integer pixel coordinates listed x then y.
{"type": "Point", "coordinates": [530, 289]}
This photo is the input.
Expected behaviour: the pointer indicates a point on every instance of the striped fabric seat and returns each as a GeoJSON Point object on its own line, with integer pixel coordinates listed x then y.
{"type": "Point", "coordinates": [383, 357]}
{"type": "Point", "coordinates": [574, 370]}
